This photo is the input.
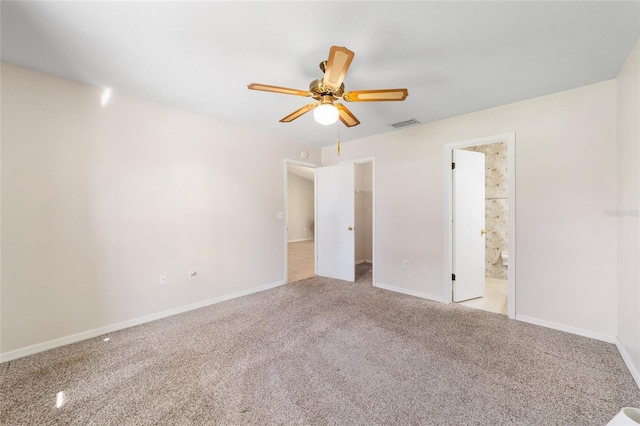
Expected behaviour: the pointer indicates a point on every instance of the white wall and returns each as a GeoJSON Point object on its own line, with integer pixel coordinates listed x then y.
{"type": "Point", "coordinates": [300, 200]}
{"type": "Point", "coordinates": [98, 202]}
{"type": "Point", "coordinates": [628, 207]}
{"type": "Point", "coordinates": [565, 179]}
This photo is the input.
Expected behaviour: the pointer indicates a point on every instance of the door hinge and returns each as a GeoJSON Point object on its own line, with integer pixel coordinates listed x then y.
{"type": "Point", "coordinates": [453, 277]}
{"type": "Point", "coordinates": [453, 166]}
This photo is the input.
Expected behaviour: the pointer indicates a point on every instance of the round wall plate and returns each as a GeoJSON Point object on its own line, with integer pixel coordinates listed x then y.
{"type": "Point", "coordinates": [304, 155]}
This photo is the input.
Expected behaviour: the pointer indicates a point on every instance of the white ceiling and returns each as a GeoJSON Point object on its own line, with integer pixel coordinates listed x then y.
{"type": "Point", "coordinates": [454, 57]}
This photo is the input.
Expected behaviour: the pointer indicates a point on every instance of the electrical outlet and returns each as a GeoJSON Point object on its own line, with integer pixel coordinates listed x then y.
{"type": "Point", "coordinates": [405, 264]}
{"type": "Point", "coordinates": [192, 274]}
{"type": "Point", "coordinates": [163, 280]}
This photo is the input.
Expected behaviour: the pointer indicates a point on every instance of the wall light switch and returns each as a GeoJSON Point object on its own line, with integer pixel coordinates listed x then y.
{"type": "Point", "coordinates": [280, 215]}
{"type": "Point", "coordinates": [405, 264]}
{"type": "Point", "coordinates": [192, 274]}
{"type": "Point", "coordinates": [163, 279]}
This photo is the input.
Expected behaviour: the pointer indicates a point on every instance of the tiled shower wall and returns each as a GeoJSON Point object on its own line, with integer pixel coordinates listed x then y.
{"type": "Point", "coordinates": [496, 207]}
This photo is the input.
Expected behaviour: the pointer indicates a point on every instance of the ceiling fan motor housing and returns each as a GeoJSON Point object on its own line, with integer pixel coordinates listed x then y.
{"type": "Point", "coordinates": [319, 90]}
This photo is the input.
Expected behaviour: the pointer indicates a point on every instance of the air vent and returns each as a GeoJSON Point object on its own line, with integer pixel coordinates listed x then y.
{"type": "Point", "coordinates": [407, 123]}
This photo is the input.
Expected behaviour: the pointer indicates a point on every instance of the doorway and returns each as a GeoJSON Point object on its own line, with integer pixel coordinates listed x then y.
{"type": "Point", "coordinates": [345, 226]}
{"type": "Point", "coordinates": [363, 219]}
{"type": "Point", "coordinates": [300, 221]}
{"type": "Point", "coordinates": [480, 223]}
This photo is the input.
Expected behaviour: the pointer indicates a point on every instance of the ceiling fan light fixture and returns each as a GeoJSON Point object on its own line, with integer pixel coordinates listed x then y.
{"type": "Point", "coordinates": [330, 88]}
{"type": "Point", "coordinates": [326, 113]}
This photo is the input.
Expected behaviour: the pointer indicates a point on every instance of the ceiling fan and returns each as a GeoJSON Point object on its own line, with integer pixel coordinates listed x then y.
{"type": "Point", "coordinates": [330, 88]}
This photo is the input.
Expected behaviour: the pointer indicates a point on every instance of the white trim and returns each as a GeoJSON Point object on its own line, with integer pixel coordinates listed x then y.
{"type": "Point", "coordinates": [635, 373]}
{"type": "Point", "coordinates": [371, 159]}
{"type": "Point", "coordinates": [448, 148]}
{"type": "Point", "coordinates": [567, 328]}
{"type": "Point", "coordinates": [511, 268]}
{"type": "Point", "coordinates": [373, 220]}
{"type": "Point", "coordinates": [288, 161]}
{"type": "Point", "coordinates": [301, 239]}
{"type": "Point", "coordinates": [315, 221]}
{"type": "Point", "coordinates": [62, 341]}
{"type": "Point", "coordinates": [409, 292]}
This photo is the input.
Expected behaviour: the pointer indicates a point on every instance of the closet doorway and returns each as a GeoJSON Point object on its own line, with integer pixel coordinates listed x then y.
{"type": "Point", "coordinates": [363, 219]}
{"type": "Point", "coordinates": [345, 226]}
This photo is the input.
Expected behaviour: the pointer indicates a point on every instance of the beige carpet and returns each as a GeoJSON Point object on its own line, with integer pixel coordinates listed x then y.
{"type": "Point", "coordinates": [323, 352]}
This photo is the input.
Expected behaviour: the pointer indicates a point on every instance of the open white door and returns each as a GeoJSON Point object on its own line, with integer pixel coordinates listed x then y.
{"type": "Point", "coordinates": [335, 238]}
{"type": "Point", "coordinates": [468, 225]}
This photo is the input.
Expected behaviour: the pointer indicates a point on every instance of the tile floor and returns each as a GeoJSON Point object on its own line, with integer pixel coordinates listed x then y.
{"type": "Point", "coordinates": [495, 299]}
{"type": "Point", "coordinates": [301, 260]}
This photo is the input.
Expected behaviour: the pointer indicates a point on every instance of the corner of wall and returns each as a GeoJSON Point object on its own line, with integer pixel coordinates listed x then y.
{"type": "Point", "coordinates": [628, 205]}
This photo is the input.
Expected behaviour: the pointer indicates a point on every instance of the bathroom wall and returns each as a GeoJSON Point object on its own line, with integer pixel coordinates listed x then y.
{"type": "Point", "coordinates": [363, 212]}
{"type": "Point", "coordinates": [496, 207]}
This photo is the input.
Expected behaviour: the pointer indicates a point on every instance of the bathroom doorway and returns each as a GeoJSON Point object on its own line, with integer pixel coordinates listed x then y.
{"type": "Point", "coordinates": [481, 224]}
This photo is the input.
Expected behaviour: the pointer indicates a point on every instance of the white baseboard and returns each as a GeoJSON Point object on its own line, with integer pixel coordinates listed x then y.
{"type": "Point", "coordinates": [633, 369]}
{"type": "Point", "coordinates": [409, 292]}
{"type": "Point", "coordinates": [368, 261]}
{"type": "Point", "coordinates": [567, 328]}
{"type": "Point", "coordinates": [301, 239]}
{"type": "Point", "coordinates": [41, 347]}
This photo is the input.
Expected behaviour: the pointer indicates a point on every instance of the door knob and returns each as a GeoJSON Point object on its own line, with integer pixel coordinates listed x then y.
{"type": "Point", "coordinates": [483, 231]}
{"type": "Point", "coordinates": [351, 228]}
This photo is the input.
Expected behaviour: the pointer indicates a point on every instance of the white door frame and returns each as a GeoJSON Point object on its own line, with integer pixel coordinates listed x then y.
{"type": "Point", "coordinates": [288, 161]}
{"type": "Point", "coordinates": [510, 139]}
{"type": "Point", "coordinates": [371, 160]}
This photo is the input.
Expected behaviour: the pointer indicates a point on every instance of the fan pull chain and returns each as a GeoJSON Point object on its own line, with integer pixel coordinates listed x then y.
{"type": "Point", "coordinates": [338, 138]}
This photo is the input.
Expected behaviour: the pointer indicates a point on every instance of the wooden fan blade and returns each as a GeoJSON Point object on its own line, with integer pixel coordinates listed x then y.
{"type": "Point", "coordinates": [276, 89]}
{"type": "Point", "coordinates": [347, 116]}
{"type": "Point", "coordinates": [337, 65]}
{"type": "Point", "coordinates": [300, 111]}
{"type": "Point", "coordinates": [376, 95]}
